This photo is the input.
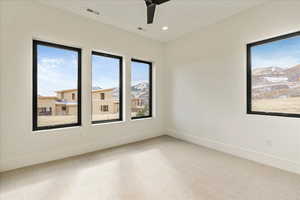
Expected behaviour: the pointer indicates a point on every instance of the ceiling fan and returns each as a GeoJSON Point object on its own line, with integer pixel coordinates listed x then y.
{"type": "Point", "coordinates": [151, 5]}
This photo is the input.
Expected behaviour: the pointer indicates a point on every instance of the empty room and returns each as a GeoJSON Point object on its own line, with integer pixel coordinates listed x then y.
{"type": "Point", "coordinates": [149, 100]}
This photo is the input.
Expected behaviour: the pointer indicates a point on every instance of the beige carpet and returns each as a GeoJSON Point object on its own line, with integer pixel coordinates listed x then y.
{"type": "Point", "coordinates": [161, 168]}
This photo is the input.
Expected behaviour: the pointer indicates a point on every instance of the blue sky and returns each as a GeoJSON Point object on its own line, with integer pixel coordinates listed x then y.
{"type": "Point", "coordinates": [139, 72]}
{"type": "Point", "coordinates": [106, 72]}
{"type": "Point", "coordinates": [57, 70]}
{"type": "Point", "coordinates": [282, 53]}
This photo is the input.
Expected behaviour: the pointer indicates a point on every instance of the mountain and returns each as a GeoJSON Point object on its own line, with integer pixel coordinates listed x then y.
{"type": "Point", "coordinates": [115, 93]}
{"type": "Point", "coordinates": [140, 86]}
{"type": "Point", "coordinates": [268, 71]}
{"type": "Point", "coordinates": [96, 88]}
{"type": "Point", "coordinates": [275, 74]}
{"type": "Point", "coordinates": [293, 73]}
{"type": "Point", "coordinates": [276, 82]}
{"type": "Point", "coordinates": [140, 90]}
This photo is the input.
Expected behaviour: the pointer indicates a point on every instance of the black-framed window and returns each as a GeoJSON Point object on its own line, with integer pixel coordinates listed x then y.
{"type": "Point", "coordinates": [273, 76]}
{"type": "Point", "coordinates": [141, 89]}
{"type": "Point", "coordinates": [107, 88]}
{"type": "Point", "coordinates": [56, 80]}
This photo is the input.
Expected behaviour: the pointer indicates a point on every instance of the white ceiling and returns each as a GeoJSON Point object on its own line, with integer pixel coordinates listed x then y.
{"type": "Point", "coordinates": [181, 16]}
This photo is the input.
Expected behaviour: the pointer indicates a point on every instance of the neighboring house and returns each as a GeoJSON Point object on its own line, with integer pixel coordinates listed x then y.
{"type": "Point", "coordinates": [65, 103]}
{"type": "Point", "coordinates": [46, 105]}
{"type": "Point", "coordinates": [104, 102]}
{"type": "Point", "coordinates": [137, 104]}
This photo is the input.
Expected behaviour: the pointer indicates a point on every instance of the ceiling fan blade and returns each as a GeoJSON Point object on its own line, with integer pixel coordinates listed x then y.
{"type": "Point", "coordinates": [160, 1]}
{"type": "Point", "coordinates": [150, 13]}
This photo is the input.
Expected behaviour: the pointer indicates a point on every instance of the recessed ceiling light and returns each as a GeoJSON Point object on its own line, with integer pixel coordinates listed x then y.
{"type": "Point", "coordinates": [93, 11]}
{"type": "Point", "coordinates": [165, 28]}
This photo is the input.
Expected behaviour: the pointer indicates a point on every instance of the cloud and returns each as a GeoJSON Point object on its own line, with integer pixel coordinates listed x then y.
{"type": "Point", "coordinates": [51, 62]}
{"type": "Point", "coordinates": [54, 75]}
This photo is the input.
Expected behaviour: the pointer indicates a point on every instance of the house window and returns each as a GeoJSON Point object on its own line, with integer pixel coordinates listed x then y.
{"type": "Point", "coordinates": [141, 89]}
{"type": "Point", "coordinates": [42, 110]}
{"type": "Point", "coordinates": [107, 82]}
{"type": "Point", "coordinates": [102, 96]}
{"type": "Point", "coordinates": [104, 108]}
{"type": "Point", "coordinates": [273, 76]}
{"type": "Point", "coordinates": [56, 72]}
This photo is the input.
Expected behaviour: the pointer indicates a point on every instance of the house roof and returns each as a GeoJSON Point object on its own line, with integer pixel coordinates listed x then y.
{"type": "Point", "coordinates": [68, 90]}
{"type": "Point", "coordinates": [94, 91]}
{"type": "Point", "coordinates": [47, 97]}
{"type": "Point", "coordinates": [103, 90]}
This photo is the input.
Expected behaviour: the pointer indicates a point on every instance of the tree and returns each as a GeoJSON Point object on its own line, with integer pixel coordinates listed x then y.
{"type": "Point", "coordinates": [143, 111]}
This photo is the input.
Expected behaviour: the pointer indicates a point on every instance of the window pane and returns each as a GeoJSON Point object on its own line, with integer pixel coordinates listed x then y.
{"type": "Point", "coordinates": [57, 85]}
{"type": "Point", "coordinates": [275, 76]}
{"type": "Point", "coordinates": [106, 91]}
{"type": "Point", "coordinates": [141, 89]}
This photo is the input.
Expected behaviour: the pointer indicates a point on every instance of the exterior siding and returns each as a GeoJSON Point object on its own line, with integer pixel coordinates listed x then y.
{"type": "Point", "coordinates": [67, 96]}
{"type": "Point", "coordinates": [108, 100]}
{"type": "Point", "coordinates": [47, 102]}
{"type": "Point", "coordinates": [64, 103]}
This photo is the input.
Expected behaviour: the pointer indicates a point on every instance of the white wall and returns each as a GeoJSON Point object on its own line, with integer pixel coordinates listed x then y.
{"type": "Point", "coordinates": [1, 60]}
{"type": "Point", "coordinates": [21, 23]}
{"type": "Point", "coordinates": [207, 88]}
{"type": "Point", "coordinates": [205, 98]}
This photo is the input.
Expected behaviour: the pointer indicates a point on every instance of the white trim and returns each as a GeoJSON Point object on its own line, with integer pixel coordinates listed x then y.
{"type": "Point", "coordinates": [108, 123]}
{"type": "Point", "coordinates": [54, 131]}
{"type": "Point", "coordinates": [141, 119]}
{"type": "Point", "coordinates": [248, 154]}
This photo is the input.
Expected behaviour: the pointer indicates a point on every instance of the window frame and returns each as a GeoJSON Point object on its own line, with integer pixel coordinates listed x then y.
{"type": "Point", "coordinates": [249, 75]}
{"type": "Point", "coordinates": [150, 88]}
{"type": "Point", "coordinates": [120, 58]}
{"type": "Point", "coordinates": [35, 126]}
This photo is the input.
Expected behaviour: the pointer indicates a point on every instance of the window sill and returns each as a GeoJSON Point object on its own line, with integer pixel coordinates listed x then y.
{"type": "Point", "coordinates": [52, 130]}
{"type": "Point", "coordinates": [107, 123]}
{"type": "Point", "coordinates": [141, 119]}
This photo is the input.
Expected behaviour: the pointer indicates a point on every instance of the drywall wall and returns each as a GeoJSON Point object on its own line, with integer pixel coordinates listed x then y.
{"type": "Point", "coordinates": [1, 41]}
{"type": "Point", "coordinates": [24, 20]}
{"type": "Point", "coordinates": [207, 88]}
{"type": "Point", "coordinates": [205, 95]}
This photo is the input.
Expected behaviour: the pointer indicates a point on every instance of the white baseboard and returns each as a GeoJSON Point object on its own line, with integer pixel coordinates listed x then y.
{"type": "Point", "coordinates": [61, 153]}
{"type": "Point", "coordinates": [248, 154]}
{"type": "Point", "coordinates": [41, 157]}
